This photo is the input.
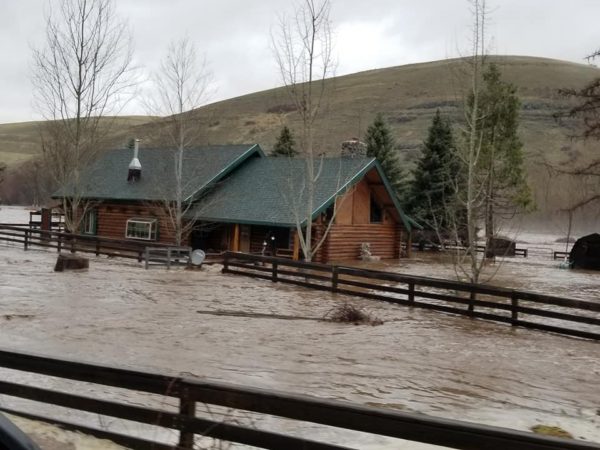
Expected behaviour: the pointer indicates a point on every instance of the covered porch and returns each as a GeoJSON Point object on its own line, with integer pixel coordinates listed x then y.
{"type": "Point", "coordinates": [273, 240]}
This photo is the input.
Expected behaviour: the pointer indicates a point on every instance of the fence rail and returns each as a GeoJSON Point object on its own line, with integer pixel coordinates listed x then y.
{"type": "Point", "coordinates": [566, 316]}
{"type": "Point", "coordinates": [62, 241]}
{"type": "Point", "coordinates": [560, 255]}
{"type": "Point", "coordinates": [186, 421]}
{"type": "Point", "coordinates": [167, 256]}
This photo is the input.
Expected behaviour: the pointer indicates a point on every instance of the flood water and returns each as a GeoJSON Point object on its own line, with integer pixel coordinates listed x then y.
{"type": "Point", "coordinates": [229, 328]}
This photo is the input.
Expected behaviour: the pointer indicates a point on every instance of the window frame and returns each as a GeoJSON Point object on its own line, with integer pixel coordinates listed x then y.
{"type": "Point", "coordinates": [89, 224]}
{"type": "Point", "coordinates": [152, 223]}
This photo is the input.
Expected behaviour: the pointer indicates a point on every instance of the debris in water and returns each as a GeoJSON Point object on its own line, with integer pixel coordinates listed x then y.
{"type": "Point", "coordinates": [549, 430]}
{"type": "Point", "coordinates": [347, 313]}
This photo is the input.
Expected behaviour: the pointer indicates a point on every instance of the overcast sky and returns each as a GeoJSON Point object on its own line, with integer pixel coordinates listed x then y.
{"type": "Point", "coordinates": [235, 37]}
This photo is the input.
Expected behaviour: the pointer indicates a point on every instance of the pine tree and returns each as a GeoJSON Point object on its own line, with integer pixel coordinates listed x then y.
{"type": "Point", "coordinates": [380, 145]}
{"type": "Point", "coordinates": [502, 168]}
{"type": "Point", "coordinates": [433, 187]}
{"type": "Point", "coordinates": [285, 145]}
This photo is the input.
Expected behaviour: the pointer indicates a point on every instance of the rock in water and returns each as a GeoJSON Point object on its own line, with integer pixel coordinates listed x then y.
{"type": "Point", "coordinates": [71, 262]}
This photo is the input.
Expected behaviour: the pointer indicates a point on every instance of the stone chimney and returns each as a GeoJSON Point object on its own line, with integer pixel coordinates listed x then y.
{"type": "Point", "coordinates": [135, 167]}
{"type": "Point", "coordinates": [354, 148]}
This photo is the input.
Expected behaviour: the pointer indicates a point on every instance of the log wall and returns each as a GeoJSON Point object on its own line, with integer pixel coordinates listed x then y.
{"type": "Point", "coordinates": [112, 221]}
{"type": "Point", "coordinates": [343, 241]}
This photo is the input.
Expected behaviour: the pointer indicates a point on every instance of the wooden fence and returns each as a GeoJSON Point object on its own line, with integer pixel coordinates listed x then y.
{"type": "Point", "coordinates": [518, 308]}
{"type": "Point", "coordinates": [560, 255]}
{"type": "Point", "coordinates": [430, 246]}
{"type": "Point", "coordinates": [61, 241]}
{"type": "Point", "coordinates": [167, 256]}
{"type": "Point", "coordinates": [188, 421]}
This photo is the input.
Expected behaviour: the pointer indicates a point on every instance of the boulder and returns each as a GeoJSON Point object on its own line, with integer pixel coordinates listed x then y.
{"type": "Point", "coordinates": [71, 262]}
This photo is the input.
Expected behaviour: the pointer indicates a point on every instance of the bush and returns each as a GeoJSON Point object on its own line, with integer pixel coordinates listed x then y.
{"type": "Point", "coordinates": [347, 313]}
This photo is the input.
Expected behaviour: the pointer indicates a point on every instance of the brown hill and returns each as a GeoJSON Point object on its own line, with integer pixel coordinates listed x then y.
{"type": "Point", "coordinates": [20, 141]}
{"type": "Point", "coordinates": [408, 96]}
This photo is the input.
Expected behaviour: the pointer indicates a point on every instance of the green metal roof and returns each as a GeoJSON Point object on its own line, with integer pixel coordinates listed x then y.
{"type": "Point", "coordinates": [202, 166]}
{"type": "Point", "coordinates": [271, 191]}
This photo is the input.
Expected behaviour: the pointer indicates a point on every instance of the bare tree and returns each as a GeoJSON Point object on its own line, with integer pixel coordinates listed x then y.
{"type": "Point", "coordinates": [470, 190]}
{"type": "Point", "coordinates": [81, 76]}
{"type": "Point", "coordinates": [303, 52]}
{"type": "Point", "coordinates": [585, 116]}
{"type": "Point", "coordinates": [180, 86]}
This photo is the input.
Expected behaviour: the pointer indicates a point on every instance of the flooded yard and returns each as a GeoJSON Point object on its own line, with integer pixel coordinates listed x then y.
{"type": "Point", "coordinates": [238, 330]}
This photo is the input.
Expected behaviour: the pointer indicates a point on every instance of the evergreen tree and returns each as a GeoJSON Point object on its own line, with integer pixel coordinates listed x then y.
{"type": "Point", "coordinates": [380, 145]}
{"type": "Point", "coordinates": [502, 170]}
{"type": "Point", "coordinates": [285, 145]}
{"type": "Point", "coordinates": [432, 190]}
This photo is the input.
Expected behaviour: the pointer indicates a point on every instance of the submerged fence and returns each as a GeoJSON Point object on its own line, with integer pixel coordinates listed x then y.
{"type": "Point", "coordinates": [61, 241]}
{"type": "Point", "coordinates": [518, 308]}
{"type": "Point", "coordinates": [186, 420]}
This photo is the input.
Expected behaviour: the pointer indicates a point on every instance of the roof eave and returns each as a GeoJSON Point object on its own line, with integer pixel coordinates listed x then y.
{"type": "Point", "coordinates": [244, 222]}
{"type": "Point", "coordinates": [394, 197]}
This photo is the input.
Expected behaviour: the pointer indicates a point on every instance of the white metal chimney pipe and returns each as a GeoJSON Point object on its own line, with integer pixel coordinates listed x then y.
{"type": "Point", "coordinates": [135, 162]}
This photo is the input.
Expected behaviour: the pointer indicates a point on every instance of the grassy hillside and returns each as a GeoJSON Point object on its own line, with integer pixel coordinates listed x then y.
{"type": "Point", "coordinates": [408, 96]}
{"type": "Point", "coordinates": [20, 141]}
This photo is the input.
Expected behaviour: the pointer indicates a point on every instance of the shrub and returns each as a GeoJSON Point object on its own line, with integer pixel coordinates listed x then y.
{"type": "Point", "coordinates": [347, 313]}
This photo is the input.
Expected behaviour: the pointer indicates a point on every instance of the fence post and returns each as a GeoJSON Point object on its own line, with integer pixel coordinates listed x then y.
{"type": "Point", "coordinates": [472, 303]}
{"type": "Point", "coordinates": [187, 408]}
{"type": "Point", "coordinates": [514, 303]}
{"type": "Point", "coordinates": [72, 244]}
{"type": "Point", "coordinates": [147, 257]}
{"type": "Point", "coordinates": [59, 246]}
{"type": "Point", "coordinates": [97, 247]}
{"type": "Point", "coordinates": [168, 258]}
{"type": "Point", "coordinates": [225, 263]}
{"type": "Point", "coordinates": [334, 279]}
{"type": "Point", "coordinates": [411, 292]}
{"type": "Point", "coordinates": [26, 241]}
{"type": "Point", "coordinates": [274, 267]}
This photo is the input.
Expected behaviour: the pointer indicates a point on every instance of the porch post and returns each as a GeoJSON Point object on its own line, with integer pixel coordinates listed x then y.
{"type": "Point", "coordinates": [296, 249]}
{"type": "Point", "coordinates": [409, 244]}
{"type": "Point", "coordinates": [236, 238]}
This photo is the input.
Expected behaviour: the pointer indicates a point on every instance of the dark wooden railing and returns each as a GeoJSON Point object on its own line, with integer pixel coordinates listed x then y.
{"type": "Point", "coordinates": [559, 315]}
{"type": "Point", "coordinates": [83, 243]}
{"type": "Point", "coordinates": [167, 256]}
{"type": "Point", "coordinates": [560, 255]}
{"type": "Point", "coordinates": [187, 421]}
{"type": "Point", "coordinates": [430, 246]}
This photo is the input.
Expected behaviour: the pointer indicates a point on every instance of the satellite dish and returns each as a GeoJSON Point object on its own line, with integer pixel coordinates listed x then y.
{"type": "Point", "coordinates": [198, 257]}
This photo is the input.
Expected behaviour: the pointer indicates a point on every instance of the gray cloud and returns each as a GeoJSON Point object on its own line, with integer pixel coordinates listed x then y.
{"type": "Point", "coordinates": [235, 37]}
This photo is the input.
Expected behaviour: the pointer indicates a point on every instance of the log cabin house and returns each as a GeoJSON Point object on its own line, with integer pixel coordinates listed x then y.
{"type": "Point", "coordinates": [239, 198]}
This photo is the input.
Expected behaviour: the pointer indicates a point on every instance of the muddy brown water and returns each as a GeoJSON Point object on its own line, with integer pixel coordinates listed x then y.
{"type": "Point", "coordinates": [421, 361]}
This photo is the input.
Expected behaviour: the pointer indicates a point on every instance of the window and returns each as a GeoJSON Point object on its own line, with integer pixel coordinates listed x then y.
{"type": "Point", "coordinates": [142, 229]}
{"type": "Point", "coordinates": [376, 211]}
{"type": "Point", "coordinates": [89, 223]}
